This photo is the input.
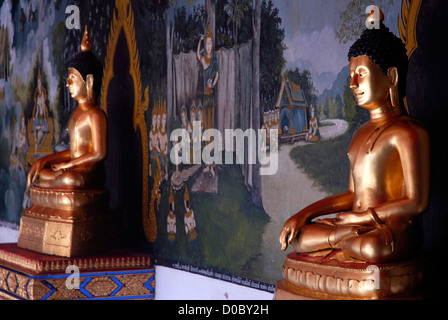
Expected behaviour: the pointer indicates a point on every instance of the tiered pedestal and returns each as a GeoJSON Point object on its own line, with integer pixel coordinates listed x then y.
{"type": "Point", "coordinates": [67, 223]}
{"type": "Point", "coordinates": [328, 278]}
{"type": "Point", "coordinates": [121, 275]}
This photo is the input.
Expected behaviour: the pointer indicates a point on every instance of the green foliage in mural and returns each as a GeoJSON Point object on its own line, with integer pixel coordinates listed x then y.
{"type": "Point", "coordinates": [228, 227]}
{"type": "Point", "coordinates": [272, 50]}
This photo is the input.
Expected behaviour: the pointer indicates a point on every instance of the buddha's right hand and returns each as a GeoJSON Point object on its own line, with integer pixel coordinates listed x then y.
{"type": "Point", "coordinates": [34, 173]}
{"type": "Point", "coordinates": [290, 230]}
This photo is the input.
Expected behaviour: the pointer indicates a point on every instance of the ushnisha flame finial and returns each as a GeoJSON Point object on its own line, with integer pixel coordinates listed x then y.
{"type": "Point", "coordinates": [86, 44]}
{"type": "Point", "coordinates": [373, 15]}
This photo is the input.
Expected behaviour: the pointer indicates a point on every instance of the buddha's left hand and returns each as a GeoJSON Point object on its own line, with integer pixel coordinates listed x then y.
{"type": "Point", "coordinates": [352, 218]}
{"type": "Point", "coordinates": [61, 166]}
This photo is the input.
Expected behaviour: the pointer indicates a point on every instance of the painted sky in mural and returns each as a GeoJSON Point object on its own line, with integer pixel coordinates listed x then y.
{"type": "Point", "coordinates": [311, 35]}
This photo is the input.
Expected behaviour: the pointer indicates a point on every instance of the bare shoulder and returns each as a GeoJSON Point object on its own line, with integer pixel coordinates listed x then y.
{"type": "Point", "coordinates": [408, 129]}
{"type": "Point", "coordinates": [96, 113]}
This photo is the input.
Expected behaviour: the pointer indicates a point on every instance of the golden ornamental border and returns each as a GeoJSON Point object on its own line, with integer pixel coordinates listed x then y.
{"type": "Point", "coordinates": [123, 19]}
{"type": "Point", "coordinates": [407, 24]}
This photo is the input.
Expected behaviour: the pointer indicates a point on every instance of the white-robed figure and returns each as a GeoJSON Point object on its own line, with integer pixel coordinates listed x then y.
{"type": "Point", "coordinates": [264, 134]}
{"type": "Point", "coordinates": [171, 220]}
{"type": "Point", "coordinates": [313, 134]}
{"type": "Point", "coordinates": [189, 218]}
{"type": "Point", "coordinates": [40, 115]}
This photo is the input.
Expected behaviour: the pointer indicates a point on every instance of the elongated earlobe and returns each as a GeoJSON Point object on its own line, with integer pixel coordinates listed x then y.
{"type": "Point", "coordinates": [395, 97]}
{"type": "Point", "coordinates": [392, 73]}
{"type": "Point", "coordinates": [89, 83]}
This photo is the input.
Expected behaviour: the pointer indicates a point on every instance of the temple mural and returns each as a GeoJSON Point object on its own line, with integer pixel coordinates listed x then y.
{"type": "Point", "coordinates": [199, 68]}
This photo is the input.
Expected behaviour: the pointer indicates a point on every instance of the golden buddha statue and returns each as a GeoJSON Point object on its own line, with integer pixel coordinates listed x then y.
{"type": "Point", "coordinates": [81, 165]}
{"type": "Point", "coordinates": [69, 211]}
{"type": "Point", "coordinates": [377, 218]}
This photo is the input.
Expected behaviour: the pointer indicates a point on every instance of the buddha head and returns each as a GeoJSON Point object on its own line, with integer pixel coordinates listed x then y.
{"type": "Point", "coordinates": [85, 72]}
{"type": "Point", "coordinates": [378, 67]}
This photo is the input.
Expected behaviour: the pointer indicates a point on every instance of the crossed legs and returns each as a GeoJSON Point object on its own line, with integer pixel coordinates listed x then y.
{"type": "Point", "coordinates": [359, 242]}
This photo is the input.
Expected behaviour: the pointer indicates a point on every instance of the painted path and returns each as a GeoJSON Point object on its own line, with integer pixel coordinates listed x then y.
{"type": "Point", "coordinates": [286, 193]}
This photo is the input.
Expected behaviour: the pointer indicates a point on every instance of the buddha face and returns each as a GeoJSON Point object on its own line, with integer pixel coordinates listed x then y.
{"type": "Point", "coordinates": [76, 85]}
{"type": "Point", "coordinates": [370, 86]}
{"type": "Point", "coordinates": [200, 115]}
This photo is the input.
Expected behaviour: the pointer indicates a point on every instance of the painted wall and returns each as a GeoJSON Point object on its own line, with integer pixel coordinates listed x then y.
{"type": "Point", "coordinates": [152, 50]}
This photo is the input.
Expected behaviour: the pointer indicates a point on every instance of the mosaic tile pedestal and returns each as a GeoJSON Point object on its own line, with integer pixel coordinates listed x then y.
{"type": "Point", "coordinates": [119, 275]}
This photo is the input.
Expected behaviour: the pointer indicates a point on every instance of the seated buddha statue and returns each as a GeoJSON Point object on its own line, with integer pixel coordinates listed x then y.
{"type": "Point", "coordinates": [69, 214]}
{"type": "Point", "coordinates": [81, 166]}
{"type": "Point", "coordinates": [377, 218]}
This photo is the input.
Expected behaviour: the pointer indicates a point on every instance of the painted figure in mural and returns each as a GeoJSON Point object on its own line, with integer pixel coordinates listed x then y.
{"type": "Point", "coordinates": [40, 115]}
{"type": "Point", "coordinates": [277, 120]}
{"type": "Point", "coordinates": [200, 118]}
{"type": "Point", "coordinates": [185, 125]}
{"type": "Point", "coordinates": [264, 132]}
{"type": "Point", "coordinates": [274, 126]}
{"type": "Point", "coordinates": [158, 142]}
{"type": "Point", "coordinates": [313, 134]}
{"type": "Point", "coordinates": [82, 165]}
{"type": "Point", "coordinates": [171, 220]}
{"type": "Point", "coordinates": [211, 77]}
{"type": "Point", "coordinates": [163, 142]}
{"type": "Point", "coordinates": [177, 180]}
{"type": "Point", "coordinates": [193, 139]}
{"type": "Point", "coordinates": [378, 218]}
{"type": "Point", "coordinates": [192, 119]}
{"type": "Point", "coordinates": [189, 218]}
{"type": "Point", "coordinates": [184, 118]}
{"type": "Point", "coordinates": [153, 144]}
{"type": "Point", "coordinates": [20, 144]}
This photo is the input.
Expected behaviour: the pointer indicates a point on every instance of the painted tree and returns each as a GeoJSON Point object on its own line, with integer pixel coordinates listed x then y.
{"type": "Point", "coordinates": [237, 10]}
{"type": "Point", "coordinates": [256, 186]}
{"type": "Point", "coordinates": [272, 59]}
{"type": "Point", "coordinates": [210, 12]}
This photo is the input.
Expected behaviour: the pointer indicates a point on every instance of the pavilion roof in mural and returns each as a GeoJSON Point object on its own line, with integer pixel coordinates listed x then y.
{"type": "Point", "coordinates": [291, 94]}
